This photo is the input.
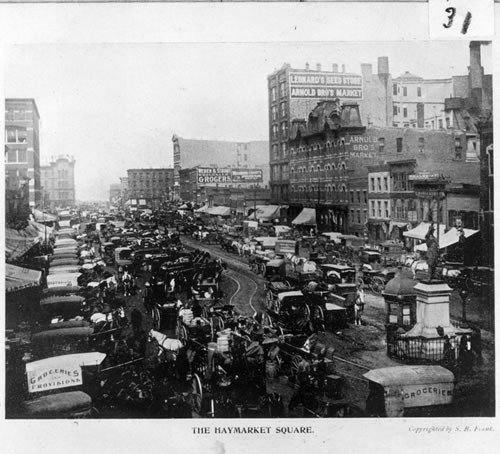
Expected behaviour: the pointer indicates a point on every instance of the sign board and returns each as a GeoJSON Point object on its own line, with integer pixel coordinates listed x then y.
{"type": "Point", "coordinates": [428, 394]}
{"type": "Point", "coordinates": [213, 175]}
{"type": "Point", "coordinates": [325, 85]}
{"type": "Point", "coordinates": [285, 247]}
{"type": "Point", "coordinates": [52, 373]}
{"type": "Point", "coordinates": [247, 176]}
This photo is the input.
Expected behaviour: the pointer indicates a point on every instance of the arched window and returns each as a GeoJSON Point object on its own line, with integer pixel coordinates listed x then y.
{"type": "Point", "coordinates": [343, 168]}
{"type": "Point", "coordinates": [334, 168]}
{"type": "Point", "coordinates": [318, 168]}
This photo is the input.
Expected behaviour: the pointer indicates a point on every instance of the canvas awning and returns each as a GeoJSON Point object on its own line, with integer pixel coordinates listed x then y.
{"type": "Point", "coordinates": [40, 216]}
{"type": "Point", "coordinates": [202, 209]}
{"type": "Point", "coordinates": [17, 278]}
{"type": "Point", "coordinates": [18, 242]}
{"type": "Point", "coordinates": [401, 225]}
{"type": "Point", "coordinates": [448, 239]}
{"type": "Point", "coordinates": [419, 232]}
{"type": "Point", "coordinates": [219, 211]}
{"type": "Point", "coordinates": [265, 212]}
{"type": "Point", "coordinates": [306, 217]}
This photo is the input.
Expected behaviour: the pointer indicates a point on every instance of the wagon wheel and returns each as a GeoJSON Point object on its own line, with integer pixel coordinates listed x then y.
{"type": "Point", "coordinates": [318, 318]}
{"type": "Point", "coordinates": [377, 285]}
{"type": "Point", "coordinates": [196, 393]}
{"type": "Point", "coordinates": [155, 315]}
{"type": "Point", "coordinates": [200, 363]}
{"type": "Point", "coordinates": [295, 364]}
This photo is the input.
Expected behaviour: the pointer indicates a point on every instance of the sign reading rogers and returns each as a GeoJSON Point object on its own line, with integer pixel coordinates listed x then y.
{"type": "Point", "coordinates": [213, 175]}
{"type": "Point", "coordinates": [325, 85]}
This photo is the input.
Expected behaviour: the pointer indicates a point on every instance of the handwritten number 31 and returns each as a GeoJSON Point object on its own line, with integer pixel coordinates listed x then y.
{"type": "Point", "coordinates": [451, 15]}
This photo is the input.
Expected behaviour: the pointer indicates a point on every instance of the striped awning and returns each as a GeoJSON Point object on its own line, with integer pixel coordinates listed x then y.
{"type": "Point", "coordinates": [18, 278]}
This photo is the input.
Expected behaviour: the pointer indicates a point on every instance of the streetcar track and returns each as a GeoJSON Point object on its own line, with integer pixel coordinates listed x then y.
{"type": "Point", "coordinates": [251, 280]}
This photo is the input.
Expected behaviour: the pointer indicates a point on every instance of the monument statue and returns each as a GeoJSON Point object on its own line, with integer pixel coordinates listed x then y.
{"type": "Point", "coordinates": [432, 252]}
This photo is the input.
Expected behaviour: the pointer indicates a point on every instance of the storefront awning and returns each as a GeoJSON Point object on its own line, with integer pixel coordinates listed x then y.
{"type": "Point", "coordinates": [306, 217]}
{"type": "Point", "coordinates": [265, 212]}
{"type": "Point", "coordinates": [400, 225]}
{"type": "Point", "coordinates": [202, 209]}
{"type": "Point", "coordinates": [40, 216]}
{"type": "Point", "coordinates": [219, 211]}
{"type": "Point", "coordinates": [17, 278]}
{"type": "Point", "coordinates": [448, 239]}
{"type": "Point", "coordinates": [18, 242]}
{"type": "Point", "coordinates": [419, 232]}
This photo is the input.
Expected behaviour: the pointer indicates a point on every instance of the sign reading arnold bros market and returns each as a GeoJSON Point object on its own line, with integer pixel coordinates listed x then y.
{"type": "Point", "coordinates": [325, 85]}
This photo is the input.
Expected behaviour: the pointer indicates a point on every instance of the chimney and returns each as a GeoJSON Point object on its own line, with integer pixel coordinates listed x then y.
{"type": "Point", "coordinates": [366, 71]}
{"type": "Point", "coordinates": [335, 68]}
{"type": "Point", "coordinates": [318, 66]}
{"type": "Point", "coordinates": [383, 65]}
{"type": "Point", "coordinates": [343, 68]}
{"type": "Point", "coordinates": [476, 73]}
{"type": "Point", "coordinates": [307, 66]}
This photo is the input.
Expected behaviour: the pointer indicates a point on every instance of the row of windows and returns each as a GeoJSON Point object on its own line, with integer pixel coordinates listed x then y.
{"type": "Point", "coordinates": [330, 147]}
{"type": "Point", "coordinates": [11, 115]}
{"type": "Point", "coordinates": [14, 156]}
{"type": "Point", "coordinates": [358, 196]}
{"type": "Point", "coordinates": [282, 91]}
{"type": "Point", "coordinates": [282, 130]}
{"type": "Point", "coordinates": [330, 189]}
{"type": "Point", "coordinates": [274, 111]}
{"type": "Point", "coordinates": [396, 89]}
{"type": "Point", "coordinates": [358, 216]}
{"type": "Point", "coordinates": [16, 136]}
{"type": "Point", "coordinates": [328, 167]}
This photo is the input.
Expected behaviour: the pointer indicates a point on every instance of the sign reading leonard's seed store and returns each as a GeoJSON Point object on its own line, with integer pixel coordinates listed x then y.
{"type": "Point", "coordinates": [323, 85]}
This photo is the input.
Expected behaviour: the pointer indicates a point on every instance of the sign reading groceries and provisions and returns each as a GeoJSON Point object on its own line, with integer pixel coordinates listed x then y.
{"type": "Point", "coordinates": [214, 175]}
{"type": "Point", "coordinates": [60, 371]}
{"type": "Point", "coordinates": [323, 85]}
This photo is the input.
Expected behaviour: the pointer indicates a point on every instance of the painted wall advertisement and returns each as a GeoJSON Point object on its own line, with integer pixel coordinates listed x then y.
{"type": "Point", "coordinates": [308, 85]}
{"type": "Point", "coordinates": [211, 176]}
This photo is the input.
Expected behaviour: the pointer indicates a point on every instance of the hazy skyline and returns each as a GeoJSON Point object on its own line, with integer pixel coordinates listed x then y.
{"type": "Point", "coordinates": [116, 106]}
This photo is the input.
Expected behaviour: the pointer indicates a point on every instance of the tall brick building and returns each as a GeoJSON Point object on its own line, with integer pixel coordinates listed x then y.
{"type": "Point", "coordinates": [294, 93]}
{"type": "Point", "coordinates": [22, 147]}
{"type": "Point", "coordinates": [150, 187]}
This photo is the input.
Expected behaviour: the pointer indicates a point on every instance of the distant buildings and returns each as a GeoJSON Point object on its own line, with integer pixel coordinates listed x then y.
{"type": "Point", "coordinates": [22, 148]}
{"type": "Point", "coordinates": [190, 154]}
{"type": "Point", "coordinates": [58, 182]}
{"type": "Point", "coordinates": [149, 188]}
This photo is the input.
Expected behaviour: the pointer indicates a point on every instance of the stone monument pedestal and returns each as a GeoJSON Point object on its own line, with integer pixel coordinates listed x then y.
{"type": "Point", "coordinates": [433, 311]}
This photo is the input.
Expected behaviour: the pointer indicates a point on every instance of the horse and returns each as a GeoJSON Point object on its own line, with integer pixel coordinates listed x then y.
{"type": "Point", "coordinates": [167, 345]}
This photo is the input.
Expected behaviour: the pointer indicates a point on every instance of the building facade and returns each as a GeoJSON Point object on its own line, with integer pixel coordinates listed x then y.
{"type": "Point", "coordinates": [151, 186]}
{"type": "Point", "coordinates": [294, 93]}
{"type": "Point", "coordinates": [58, 182]}
{"type": "Point", "coordinates": [333, 167]}
{"type": "Point", "coordinates": [190, 153]}
{"type": "Point", "coordinates": [22, 148]}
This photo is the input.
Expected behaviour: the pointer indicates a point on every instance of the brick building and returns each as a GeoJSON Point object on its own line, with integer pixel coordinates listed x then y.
{"type": "Point", "coordinates": [330, 157]}
{"type": "Point", "coordinates": [22, 148]}
{"type": "Point", "coordinates": [58, 182]}
{"type": "Point", "coordinates": [151, 187]}
{"type": "Point", "coordinates": [294, 93]}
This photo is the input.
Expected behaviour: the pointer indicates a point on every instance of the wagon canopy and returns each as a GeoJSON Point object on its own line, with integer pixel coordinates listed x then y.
{"type": "Point", "coordinates": [419, 232]}
{"type": "Point", "coordinates": [410, 375]}
{"type": "Point", "coordinates": [448, 239]}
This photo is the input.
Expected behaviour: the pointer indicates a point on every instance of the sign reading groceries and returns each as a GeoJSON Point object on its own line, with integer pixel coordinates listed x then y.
{"type": "Point", "coordinates": [48, 374]}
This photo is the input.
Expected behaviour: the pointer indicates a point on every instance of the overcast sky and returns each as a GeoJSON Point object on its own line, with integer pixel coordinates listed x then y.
{"type": "Point", "coordinates": [116, 106]}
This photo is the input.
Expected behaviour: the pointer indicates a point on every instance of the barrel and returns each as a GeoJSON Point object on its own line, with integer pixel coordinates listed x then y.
{"type": "Point", "coordinates": [271, 369]}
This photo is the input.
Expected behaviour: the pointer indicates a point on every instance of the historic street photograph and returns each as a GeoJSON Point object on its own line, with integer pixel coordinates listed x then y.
{"type": "Point", "coordinates": [249, 230]}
